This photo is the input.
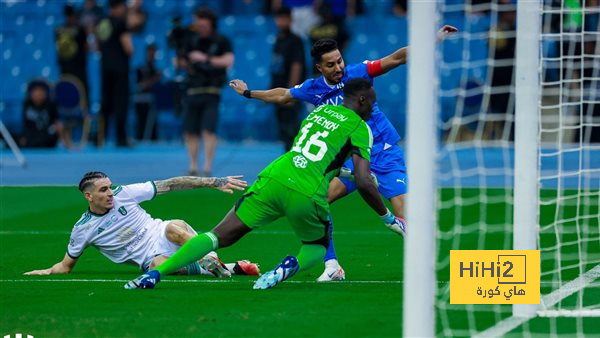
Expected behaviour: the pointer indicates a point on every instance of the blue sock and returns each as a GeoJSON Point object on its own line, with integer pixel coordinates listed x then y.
{"type": "Point", "coordinates": [330, 253]}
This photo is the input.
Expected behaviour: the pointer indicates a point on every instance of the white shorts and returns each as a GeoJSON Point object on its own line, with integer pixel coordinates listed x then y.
{"type": "Point", "coordinates": [162, 246]}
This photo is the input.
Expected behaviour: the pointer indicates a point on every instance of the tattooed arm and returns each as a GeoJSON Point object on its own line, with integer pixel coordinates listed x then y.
{"type": "Point", "coordinates": [225, 184]}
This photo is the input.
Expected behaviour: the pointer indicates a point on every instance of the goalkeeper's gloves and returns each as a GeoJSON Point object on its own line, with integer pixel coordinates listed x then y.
{"type": "Point", "coordinates": [396, 224]}
{"type": "Point", "coordinates": [349, 174]}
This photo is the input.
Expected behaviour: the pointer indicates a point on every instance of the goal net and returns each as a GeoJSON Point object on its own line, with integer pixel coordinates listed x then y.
{"type": "Point", "coordinates": [478, 204]}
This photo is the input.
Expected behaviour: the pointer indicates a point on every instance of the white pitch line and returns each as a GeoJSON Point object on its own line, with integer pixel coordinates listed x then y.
{"type": "Point", "coordinates": [258, 232]}
{"type": "Point", "coordinates": [547, 301]}
{"type": "Point", "coordinates": [73, 280]}
{"type": "Point", "coordinates": [184, 281]}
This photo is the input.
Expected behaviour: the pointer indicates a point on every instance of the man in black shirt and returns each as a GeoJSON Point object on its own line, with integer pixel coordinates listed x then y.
{"type": "Point", "coordinates": [116, 48]}
{"type": "Point", "coordinates": [206, 57]}
{"type": "Point", "coordinates": [147, 77]}
{"type": "Point", "coordinates": [287, 70]}
{"type": "Point", "coordinates": [71, 47]}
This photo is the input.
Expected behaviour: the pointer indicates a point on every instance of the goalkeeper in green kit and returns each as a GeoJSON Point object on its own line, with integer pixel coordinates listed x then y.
{"type": "Point", "coordinates": [295, 186]}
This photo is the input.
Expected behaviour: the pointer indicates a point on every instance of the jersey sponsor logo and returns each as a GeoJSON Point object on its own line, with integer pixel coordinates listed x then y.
{"type": "Point", "coordinates": [335, 114]}
{"type": "Point", "coordinates": [123, 211]}
{"type": "Point", "coordinates": [134, 243]}
{"type": "Point", "coordinates": [124, 235]}
{"type": "Point", "coordinates": [300, 161]}
{"type": "Point", "coordinates": [334, 101]}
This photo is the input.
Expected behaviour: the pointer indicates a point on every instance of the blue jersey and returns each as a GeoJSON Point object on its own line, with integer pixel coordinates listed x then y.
{"type": "Point", "coordinates": [385, 136]}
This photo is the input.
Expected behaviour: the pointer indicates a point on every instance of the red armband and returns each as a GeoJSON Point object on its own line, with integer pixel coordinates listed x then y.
{"type": "Point", "coordinates": [374, 68]}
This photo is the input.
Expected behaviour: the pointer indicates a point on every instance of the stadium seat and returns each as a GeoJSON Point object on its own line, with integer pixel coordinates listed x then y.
{"type": "Point", "coordinates": [170, 125]}
{"type": "Point", "coordinates": [70, 98]}
{"type": "Point", "coordinates": [10, 114]}
{"type": "Point", "coordinates": [261, 124]}
{"type": "Point", "coordinates": [378, 8]}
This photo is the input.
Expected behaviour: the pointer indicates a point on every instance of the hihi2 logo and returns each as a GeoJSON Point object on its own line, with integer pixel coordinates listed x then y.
{"type": "Point", "coordinates": [494, 277]}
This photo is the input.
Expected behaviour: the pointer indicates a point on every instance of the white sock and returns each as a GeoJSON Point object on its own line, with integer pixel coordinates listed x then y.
{"type": "Point", "coordinates": [332, 264]}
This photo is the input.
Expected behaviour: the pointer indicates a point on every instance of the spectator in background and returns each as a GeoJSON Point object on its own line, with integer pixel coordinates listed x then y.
{"type": "Point", "coordinates": [207, 56]}
{"type": "Point", "coordinates": [287, 70]}
{"type": "Point", "coordinates": [502, 99]}
{"type": "Point", "coordinates": [401, 7]}
{"type": "Point", "coordinates": [304, 14]}
{"type": "Point", "coordinates": [177, 40]}
{"type": "Point", "coordinates": [71, 47]}
{"type": "Point", "coordinates": [589, 131]}
{"type": "Point", "coordinates": [42, 128]}
{"type": "Point", "coordinates": [89, 16]}
{"type": "Point", "coordinates": [147, 77]}
{"type": "Point", "coordinates": [136, 16]}
{"type": "Point", "coordinates": [333, 24]}
{"type": "Point", "coordinates": [116, 48]}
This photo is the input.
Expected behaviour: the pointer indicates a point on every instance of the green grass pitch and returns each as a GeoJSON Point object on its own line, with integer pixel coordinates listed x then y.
{"type": "Point", "coordinates": [34, 227]}
{"type": "Point", "coordinates": [91, 301]}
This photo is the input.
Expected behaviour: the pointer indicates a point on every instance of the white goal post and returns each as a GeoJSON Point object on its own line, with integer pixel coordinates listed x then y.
{"type": "Point", "coordinates": [525, 176]}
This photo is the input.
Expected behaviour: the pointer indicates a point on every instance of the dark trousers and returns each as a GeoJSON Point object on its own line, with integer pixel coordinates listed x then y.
{"type": "Point", "coordinates": [288, 124]}
{"type": "Point", "coordinates": [115, 100]}
{"type": "Point", "coordinates": [142, 111]}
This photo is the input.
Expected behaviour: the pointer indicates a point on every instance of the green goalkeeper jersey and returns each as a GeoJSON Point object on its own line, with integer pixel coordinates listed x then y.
{"type": "Point", "coordinates": [328, 136]}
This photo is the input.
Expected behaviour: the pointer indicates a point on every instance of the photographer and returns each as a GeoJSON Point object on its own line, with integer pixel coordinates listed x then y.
{"type": "Point", "coordinates": [206, 57]}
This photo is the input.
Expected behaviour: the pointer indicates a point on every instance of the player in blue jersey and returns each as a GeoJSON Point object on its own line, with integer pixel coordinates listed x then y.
{"type": "Point", "coordinates": [387, 158]}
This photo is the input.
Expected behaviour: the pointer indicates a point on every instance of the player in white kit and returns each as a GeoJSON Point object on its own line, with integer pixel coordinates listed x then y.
{"type": "Point", "coordinates": [124, 232]}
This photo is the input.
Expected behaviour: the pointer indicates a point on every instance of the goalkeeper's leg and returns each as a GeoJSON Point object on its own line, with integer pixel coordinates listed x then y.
{"type": "Point", "coordinates": [338, 188]}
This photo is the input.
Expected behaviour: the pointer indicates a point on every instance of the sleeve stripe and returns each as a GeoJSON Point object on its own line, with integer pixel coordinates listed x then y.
{"type": "Point", "coordinates": [153, 187]}
{"type": "Point", "coordinates": [118, 190]}
{"type": "Point", "coordinates": [84, 219]}
{"type": "Point", "coordinates": [370, 136]}
{"type": "Point", "coordinates": [74, 257]}
{"type": "Point", "coordinates": [214, 239]}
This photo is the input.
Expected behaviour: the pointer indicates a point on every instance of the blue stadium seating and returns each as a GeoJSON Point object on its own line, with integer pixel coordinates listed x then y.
{"type": "Point", "coordinates": [27, 51]}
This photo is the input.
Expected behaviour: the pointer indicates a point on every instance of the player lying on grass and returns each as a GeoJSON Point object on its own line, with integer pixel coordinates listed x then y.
{"type": "Point", "coordinates": [387, 158]}
{"type": "Point", "coordinates": [295, 186]}
{"type": "Point", "coordinates": [124, 232]}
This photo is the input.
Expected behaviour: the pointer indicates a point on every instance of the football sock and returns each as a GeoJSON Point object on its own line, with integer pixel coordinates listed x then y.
{"type": "Point", "coordinates": [194, 269]}
{"type": "Point", "coordinates": [330, 253]}
{"type": "Point", "coordinates": [309, 255]}
{"type": "Point", "coordinates": [191, 251]}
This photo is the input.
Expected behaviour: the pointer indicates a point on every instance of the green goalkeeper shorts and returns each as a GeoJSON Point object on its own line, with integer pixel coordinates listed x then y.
{"type": "Point", "coordinates": [268, 200]}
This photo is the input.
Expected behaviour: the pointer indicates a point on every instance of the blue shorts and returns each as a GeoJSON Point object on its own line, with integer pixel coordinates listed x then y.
{"type": "Point", "coordinates": [391, 184]}
{"type": "Point", "coordinates": [391, 175]}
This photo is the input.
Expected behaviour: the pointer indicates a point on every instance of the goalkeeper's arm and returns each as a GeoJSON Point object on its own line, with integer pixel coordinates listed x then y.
{"type": "Point", "coordinates": [366, 187]}
{"type": "Point", "coordinates": [275, 95]}
{"type": "Point", "coordinates": [368, 190]}
{"type": "Point", "coordinates": [349, 174]}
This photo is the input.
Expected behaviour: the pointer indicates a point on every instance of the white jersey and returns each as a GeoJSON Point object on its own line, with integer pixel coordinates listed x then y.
{"type": "Point", "coordinates": [126, 233]}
